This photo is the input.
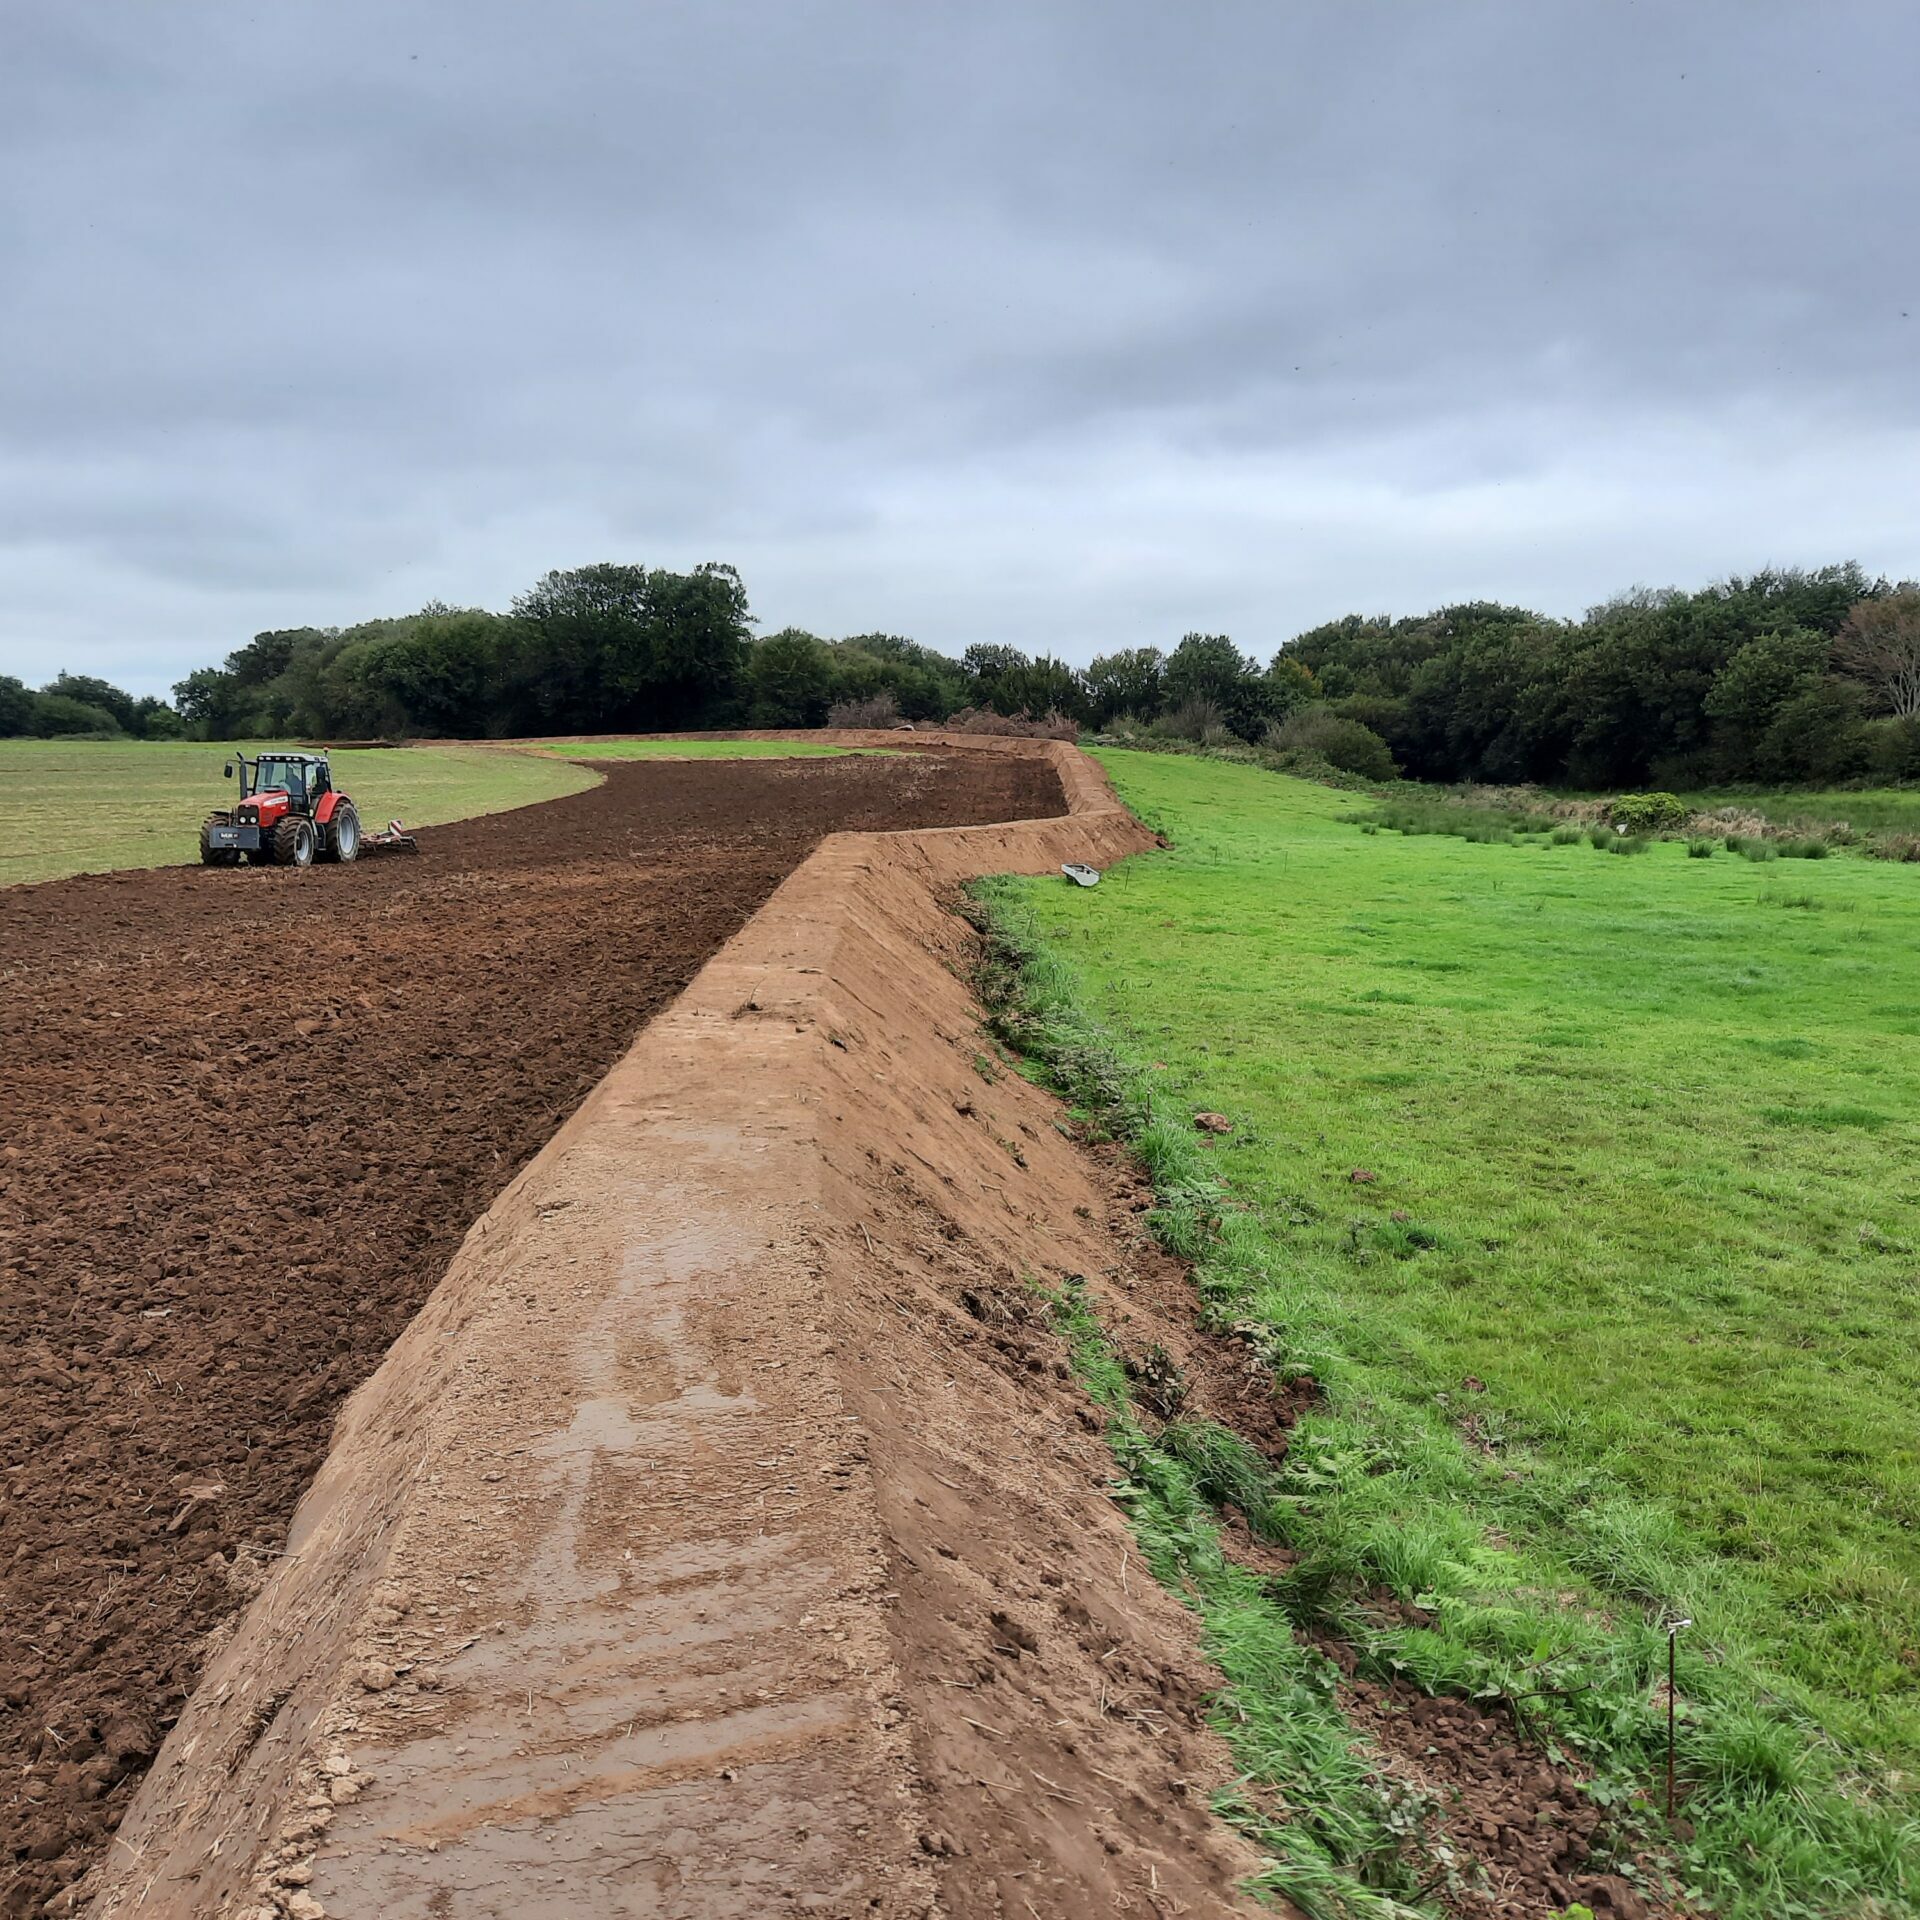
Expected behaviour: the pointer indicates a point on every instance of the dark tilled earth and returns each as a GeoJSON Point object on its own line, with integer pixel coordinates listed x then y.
{"type": "Point", "coordinates": [245, 1118]}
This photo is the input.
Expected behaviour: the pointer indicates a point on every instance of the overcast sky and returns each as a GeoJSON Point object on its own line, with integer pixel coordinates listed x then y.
{"type": "Point", "coordinates": [1073, 326]}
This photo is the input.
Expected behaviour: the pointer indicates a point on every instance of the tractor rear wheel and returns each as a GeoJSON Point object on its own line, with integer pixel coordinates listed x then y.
{"type": "Point", "coordinates": [210, 855]}
{"type": "Point", "coordinates": [342, 834]}
{"type": "Point", "coordinates": [293, 841]}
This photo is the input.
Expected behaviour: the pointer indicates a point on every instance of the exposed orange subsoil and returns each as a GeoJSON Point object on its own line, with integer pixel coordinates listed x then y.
{"type": "Point", "coordinates": [695, 1551]}
{"type": "Point", "coordinates": [245, 1118]}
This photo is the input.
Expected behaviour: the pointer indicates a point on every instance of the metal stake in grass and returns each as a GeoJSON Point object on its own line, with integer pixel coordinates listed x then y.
{"type": "Point", "coordinates": [1677, 1624]}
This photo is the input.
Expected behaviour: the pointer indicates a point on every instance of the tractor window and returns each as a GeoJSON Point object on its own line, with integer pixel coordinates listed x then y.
{"type": "Point", "coordinates": [283, 773]}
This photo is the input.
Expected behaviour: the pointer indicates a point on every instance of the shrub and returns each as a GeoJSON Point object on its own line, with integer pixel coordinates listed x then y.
{"type": "Point", "coordinates": [1647, 812]}
{"type": "Point", "coordinates": [1342, 743]}
{"type": "Point", "coordinates": [1202, 721]}
{"type": "Point", "coordinates": [1758, 850]}
{"type": "Point", "coordinates": [1126, 729]}
{"type": "Point", "coordinates": [1566, 836]}
{"type": "Point", "coordinates": [1602, 837]}
{"type": "Point", "coordinates": [1893, 748]}
{"type": "Point", "coordinates": [1804, 848]}
{"type": "Point", "coordinates": [1629, 843]}
{"type": "Point", "coordinates": [1699, 849]}
{"type": "Point", "coordinates": [1053, 725]}
{"type": "Point", "coordinates": [876, 710]}
{"type": "Point", "coordinates": [59, 716]}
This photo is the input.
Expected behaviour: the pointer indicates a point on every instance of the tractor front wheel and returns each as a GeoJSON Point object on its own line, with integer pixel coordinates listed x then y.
{"type": "Point", "coordinates": [293, 842]}
{"type": "Point", "coordinates": [210, 855]}
{"type": "Point", "coordinates": [342, 835]}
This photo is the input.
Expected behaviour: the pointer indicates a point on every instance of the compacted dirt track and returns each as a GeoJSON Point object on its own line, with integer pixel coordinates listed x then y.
{"type": "Point", "coordinates": [245, 1117]}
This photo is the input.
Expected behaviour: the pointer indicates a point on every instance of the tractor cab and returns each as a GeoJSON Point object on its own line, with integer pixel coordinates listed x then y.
{"type": "Point", "coordinates": [302, 777]}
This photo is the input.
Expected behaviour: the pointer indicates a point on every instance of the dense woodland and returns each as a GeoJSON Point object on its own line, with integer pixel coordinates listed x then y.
{"type": "Point", "coordinates": [1778, 678]}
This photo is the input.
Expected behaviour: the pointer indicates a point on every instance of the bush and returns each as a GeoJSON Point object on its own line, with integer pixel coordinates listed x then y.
{"type": "Point", "coordinates": [1893, 749]}
{"type": "Point", "coordinates": [1342, 743]}
{"type": "Point", "coordinates": [1647, 812]}
{"type": "Point", "coordinates": [58, 716]}
{"type": "Point", "coordinates": [1804, 848]}
{"type": "Point", "coordinates": [1699, 849]}
{"type": "Point", "coordinates": [1053, 725]}
{"type": "Point", "coordinates": [877, 710]}
{"type": "Point", "coordinates": [1204, 722]}
{"type": "Point", "coordinates": [1566, 836]}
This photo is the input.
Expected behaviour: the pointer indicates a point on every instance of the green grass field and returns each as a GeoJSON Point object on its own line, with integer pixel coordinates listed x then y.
{"type": "Point", "coordinates": [1871, 810]}
{"type": "Point", "coordinates": [701, 750]}
{"type": "Point", "coordinates": [89, 806]}
{"type": "Point", "coordinates": [1622, 1321]}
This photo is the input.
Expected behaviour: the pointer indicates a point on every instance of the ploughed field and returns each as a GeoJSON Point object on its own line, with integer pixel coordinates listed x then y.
{"type": "Point", "coordinates": [245, 1118]}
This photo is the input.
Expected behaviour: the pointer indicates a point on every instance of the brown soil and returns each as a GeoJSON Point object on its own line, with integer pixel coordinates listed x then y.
{"type": "Point", "coordinates": [1522, 1825]}
{"type": "Point", "coordinates": [248, 1117]}
{"type": "Point", "coordinates": [692, 1552]}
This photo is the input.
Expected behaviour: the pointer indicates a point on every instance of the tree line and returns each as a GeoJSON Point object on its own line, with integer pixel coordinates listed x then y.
{"type": "Point", "coordinates": [1781, 677]}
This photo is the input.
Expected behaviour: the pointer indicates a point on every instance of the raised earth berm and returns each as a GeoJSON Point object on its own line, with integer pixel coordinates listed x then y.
{"type": "Point", "coordinates": [714, 1542]}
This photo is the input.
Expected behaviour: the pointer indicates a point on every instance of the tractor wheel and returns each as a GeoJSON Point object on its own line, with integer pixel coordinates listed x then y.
{"type": "Point", "coordinates": [210, 855]}
{"type": "Point", "coordinates": [342, 835]}
{"type": "Point", "coordinates": [293, 842]}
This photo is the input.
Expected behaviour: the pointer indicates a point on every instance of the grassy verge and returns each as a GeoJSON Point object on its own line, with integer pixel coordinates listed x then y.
{"type": "Point", "coordinates": [1343, 1846]}
{"type": "Point", "coordinates": [101, 806]}
{"type": "Point", "coordinates": [700, 750]}
{"type": "Point", "coordinates": [1617, 1328]}
{"type": "Point", "coordinates": [1870, 810]}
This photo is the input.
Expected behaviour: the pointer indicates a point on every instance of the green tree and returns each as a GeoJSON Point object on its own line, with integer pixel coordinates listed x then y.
{"type": "Point", "coordinates": [17, 704]}
{"type": "Point", "coordinates": [985, 666]}
{"type": "Point", "coordinates": [611, 645]}
{"type": "Point", "coordinates": [1208, 666]}
{"type": "Point", "coordinates": [1819, 734]}
{"type": "Point", "coordinates": [1125, 682]}
{"type": "Point", "coordinates": [439, 669]}
{"type": "Point", "coordinates": [59, 716]}
{"type": "Point", "coordinates": [790, 680]}
{"type": "Point", "coordinates": [92, 692]}
{"type": "Point", "coordinates": [701, 636]}
{"type": "Point", "coordinates": [1290, 684]}
{"type": "Point", "coordinates": [926, 685]}
{"type": "Point", "coordinates": [204, 700]}
{"type": "Point", "coordinates": [154, 720]}
{"type": "Point", "coordinates": [1749, 692]}
{"type": "Point", "coordinates": [1039, 687]}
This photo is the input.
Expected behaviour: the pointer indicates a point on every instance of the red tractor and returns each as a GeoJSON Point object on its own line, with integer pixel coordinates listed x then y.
{"type": "Point", "coordinates": [288, 814]}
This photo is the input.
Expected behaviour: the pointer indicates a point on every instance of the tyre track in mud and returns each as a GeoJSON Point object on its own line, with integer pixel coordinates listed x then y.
{"type": "Point", "coordinates": [245, 1118]}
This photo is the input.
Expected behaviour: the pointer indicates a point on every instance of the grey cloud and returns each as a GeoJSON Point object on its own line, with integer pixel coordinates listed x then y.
{"type": "Point", "coordinates": [1074, 325]}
